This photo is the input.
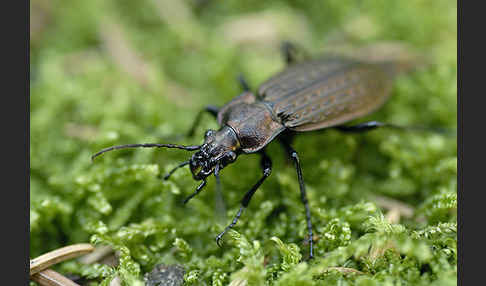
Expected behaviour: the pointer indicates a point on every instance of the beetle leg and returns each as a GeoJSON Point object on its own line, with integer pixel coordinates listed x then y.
{"type": "Point", "coordinates": [213, 110]}
{"type": "Point", "coordinates": [303, 195]}
{"type": "Point", "coordinates": [167, 176]}
{"type": "Point", "coordinates": [288, 51]}
{"type": "Point", "coordinates": [363, 127]}
{"type": "Point", "coordinates": [292, 54]}
{"type": "Point", "coordinates": [220, 205]}
{"type": "Point", "coordinates": [287, 138]}
{"type": "Point", "coordinates": [370, 125]}
{"type": "Point", "coordinates": [196, 192]}
{"type": "Point", "coordinates": [243, 82]}
{"type": "Point", "coordinates": [266, 164]}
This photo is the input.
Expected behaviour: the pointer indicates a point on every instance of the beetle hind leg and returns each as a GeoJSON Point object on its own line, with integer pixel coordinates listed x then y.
{"type": "Point", "coordinates": [303, 194]}
{"type": "Point", "coordinates": [370, 125]}
{"type": "Point", "coordinates": [364, 127]}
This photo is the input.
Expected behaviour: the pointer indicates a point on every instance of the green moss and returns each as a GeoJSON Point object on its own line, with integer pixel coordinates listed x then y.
{"type": "Point", "coordinates": [180, 57]}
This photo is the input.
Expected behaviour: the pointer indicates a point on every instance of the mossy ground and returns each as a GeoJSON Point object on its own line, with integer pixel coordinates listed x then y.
{"type": "Point", "coordinates": [115, 72]}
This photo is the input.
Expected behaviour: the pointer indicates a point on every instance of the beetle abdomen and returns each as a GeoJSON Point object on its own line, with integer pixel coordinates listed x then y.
{"type": "Point", "coordinates": [324, 93]}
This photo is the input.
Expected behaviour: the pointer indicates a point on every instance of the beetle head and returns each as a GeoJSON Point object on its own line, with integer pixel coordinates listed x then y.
{"type": "Point", "coordinates": [220, 148]}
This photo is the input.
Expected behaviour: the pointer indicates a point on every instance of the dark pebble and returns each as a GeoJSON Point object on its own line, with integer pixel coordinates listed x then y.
{"type": "Point", "coordinates": [165, 275]}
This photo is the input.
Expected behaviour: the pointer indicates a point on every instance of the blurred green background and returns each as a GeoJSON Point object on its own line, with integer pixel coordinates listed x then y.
{"type": "Point", "coordinates": [115, 72]}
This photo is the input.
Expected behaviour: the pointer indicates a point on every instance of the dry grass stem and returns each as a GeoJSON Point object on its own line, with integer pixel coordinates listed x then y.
{"type": "Point", "coordinates": [50, 277]}
{"type": "Point", "coordinates": [48, 259]}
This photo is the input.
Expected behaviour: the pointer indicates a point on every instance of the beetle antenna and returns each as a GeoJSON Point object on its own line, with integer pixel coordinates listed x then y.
{"type": "Point", "coordinates": [177, 167]}
{"type": "Point", "coordinates": [199, 188]}
{"type": "Point", "coordinates": [146, 145]}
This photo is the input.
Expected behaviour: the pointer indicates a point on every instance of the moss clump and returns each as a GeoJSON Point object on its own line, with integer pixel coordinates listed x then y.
{"type": "Point", "coordinates": [114, 72]}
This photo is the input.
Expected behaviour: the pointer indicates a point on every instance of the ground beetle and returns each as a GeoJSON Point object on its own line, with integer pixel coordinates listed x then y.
{"type": "Point", "coordinates": [307, 95]}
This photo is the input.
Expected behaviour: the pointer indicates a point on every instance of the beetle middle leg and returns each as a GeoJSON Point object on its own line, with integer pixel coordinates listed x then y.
{"type": "Point", "coordinates": [303, 195]}
{"type": "Point", "coordinates": [289, 52]}
{"type": "Point", "coordinates": [213, 110]}
{"type": "Point", "coordinates": [292, 53]}
{"type": "Point", "coordinates": [266, 164]}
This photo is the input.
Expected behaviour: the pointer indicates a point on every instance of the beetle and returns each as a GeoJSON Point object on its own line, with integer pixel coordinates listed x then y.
{"type": "Point", "coordinates": [307, 95]}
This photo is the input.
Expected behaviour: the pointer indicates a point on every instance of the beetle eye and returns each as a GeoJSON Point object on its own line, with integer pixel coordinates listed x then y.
{"type": "Point", "coordinates": [208, 133]}
{"type": "Point", "coordinates": [232, 156]}
{"type": "Point", "coordinates": [228, 158]}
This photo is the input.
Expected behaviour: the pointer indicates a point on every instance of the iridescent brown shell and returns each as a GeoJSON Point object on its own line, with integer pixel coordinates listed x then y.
{"type": "Point", "coordinates": [324, 93]}
{"type": "Point", "coordinates": [306, 96]}
{"type": "Point", "coordinates": [252, 120]}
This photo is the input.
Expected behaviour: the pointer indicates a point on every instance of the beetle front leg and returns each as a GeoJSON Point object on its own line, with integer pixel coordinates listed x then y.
{"type": "Point", "coordinates": [213, 110]}
{"type": "Point", "coordinates": [266, 164]}
{"type": "Point", "coordinates": [219, 203]}
{"type": "Point", "coordinates": [303, 195]}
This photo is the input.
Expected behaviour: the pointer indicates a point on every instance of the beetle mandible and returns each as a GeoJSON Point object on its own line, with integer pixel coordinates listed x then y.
{"type": "Point", "coordinates": [307, 95]}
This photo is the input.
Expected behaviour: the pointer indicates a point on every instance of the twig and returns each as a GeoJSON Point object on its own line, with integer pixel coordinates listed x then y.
{"type": "Point", "coordinates": [98, 254]}
{"type": "Point", "coordinates": [46, 260]}
{"type": "Point", "coordinates": [83, 132]}
{"type": "Point", "coordinates": [50, 277]}
{"type": "Point", "coordinates": [345, 270]}
{"type": "Point", "coordinates": [122, 52]}
{"type": "Point", "coordinates": [395, 207]}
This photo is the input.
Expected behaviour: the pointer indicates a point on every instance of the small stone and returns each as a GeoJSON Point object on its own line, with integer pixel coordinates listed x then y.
{"type": "Point", "coordinates": [165, 275]}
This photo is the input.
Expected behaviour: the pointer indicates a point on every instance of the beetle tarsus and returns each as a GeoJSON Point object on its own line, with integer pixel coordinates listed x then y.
{"type": "Point", "coordinates": [218, 239]}
{"type": "Point", "coordinates": [197, 191]}
{"type": "Point", "coordinates": [232, 224]}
